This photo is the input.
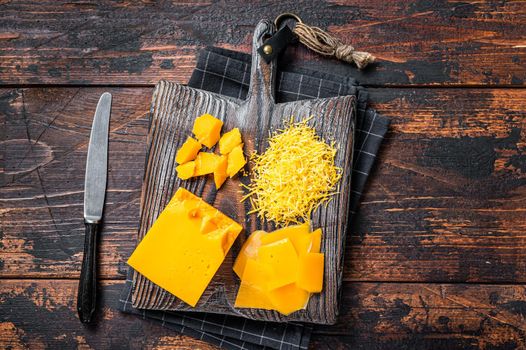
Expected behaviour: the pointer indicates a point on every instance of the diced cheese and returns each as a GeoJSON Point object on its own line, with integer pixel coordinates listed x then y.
{"type": "Point", "coordinates": [282, 260]}
{"type": "Point", "coordinates": [309, 243]}
{"type": "Point", "coordinates": [249, 250]}
{"type": "Point", "coordinates": [220, 174]}
{"type": "Point", "coordinates": [288, 299]}
{"type": "Point", "coordinates": [205, 163]}
{"type": "Point", "coordinates": [186, 170]}
{"type": "Point", "coordinates": [188, 151]}
{"type": "Point", "coordinates": [207, 129]}
{"type": "Point", "coordinates": [236, 160]}
{"type": "Point", "coordinates": [185, 246]}
{"type": "Point", "coordinates": [229, 140]}
{"type": "Point", "coordinates": [310, 272]}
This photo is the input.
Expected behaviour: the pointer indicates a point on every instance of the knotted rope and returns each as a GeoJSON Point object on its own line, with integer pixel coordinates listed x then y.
{"type": "Point", "coordinates": [323, 43]}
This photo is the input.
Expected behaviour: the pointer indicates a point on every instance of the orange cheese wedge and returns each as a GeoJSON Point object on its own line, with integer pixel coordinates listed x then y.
{"type": "Point", "coordinates": [185, 246]}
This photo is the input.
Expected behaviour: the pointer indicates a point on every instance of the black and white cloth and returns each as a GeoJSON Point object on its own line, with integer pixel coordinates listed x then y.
{"type": "Point", "coordinates": [228, 72]}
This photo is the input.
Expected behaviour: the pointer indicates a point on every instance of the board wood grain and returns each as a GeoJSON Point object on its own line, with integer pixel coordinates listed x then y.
{"type": "Point", "coordinates": [174, 109]}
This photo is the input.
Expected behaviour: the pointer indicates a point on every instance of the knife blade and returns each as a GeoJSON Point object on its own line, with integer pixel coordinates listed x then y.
{"type": "Point", "coordinates": [94, 194]}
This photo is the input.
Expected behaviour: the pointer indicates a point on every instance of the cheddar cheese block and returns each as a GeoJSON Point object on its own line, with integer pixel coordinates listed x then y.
{"type": "Point", "coordinates": [185, 246]}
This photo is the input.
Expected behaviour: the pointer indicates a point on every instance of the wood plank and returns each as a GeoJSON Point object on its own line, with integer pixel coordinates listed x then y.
{"type": "Point", "coordinates": [446, 202]}
{"type": "Point", "coordinates": [374, 315]}
{"type": "Point", "coordinates": [433, 42]}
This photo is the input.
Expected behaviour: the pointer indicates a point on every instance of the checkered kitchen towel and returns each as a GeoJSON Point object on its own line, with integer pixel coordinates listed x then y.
{"type": "Point", "coordinates": [228, 72]}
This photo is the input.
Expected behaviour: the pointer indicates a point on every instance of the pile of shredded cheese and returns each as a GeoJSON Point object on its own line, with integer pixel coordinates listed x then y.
{"type": "Point", "coordinates": [294, 176]}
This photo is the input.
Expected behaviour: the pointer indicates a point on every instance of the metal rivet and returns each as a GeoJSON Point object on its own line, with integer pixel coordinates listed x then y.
{"type": "Point", "coordinates": [267, 49]}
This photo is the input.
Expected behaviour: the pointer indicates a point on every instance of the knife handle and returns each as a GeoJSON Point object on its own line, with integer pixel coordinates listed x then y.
{"type": "Point", "coordinates": [87, 293]}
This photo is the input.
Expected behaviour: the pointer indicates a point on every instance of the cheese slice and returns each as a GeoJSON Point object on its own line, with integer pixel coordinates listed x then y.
{"type": "Point", "coordinates": [249, 250]}
{"type": "Point", "coordinates": [281, 259]}
{"type": "Point", "coordinates": [310, 272]}
{"type": "Point", "coordinates": [185, 246]}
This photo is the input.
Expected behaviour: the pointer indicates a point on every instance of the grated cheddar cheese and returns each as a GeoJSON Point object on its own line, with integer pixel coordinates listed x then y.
{"type": "Point", "coordinates": [294, 176]}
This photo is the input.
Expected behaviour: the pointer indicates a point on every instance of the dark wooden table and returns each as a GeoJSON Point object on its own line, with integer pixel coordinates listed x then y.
{"type": "Point", "coordinates": [437, 255]}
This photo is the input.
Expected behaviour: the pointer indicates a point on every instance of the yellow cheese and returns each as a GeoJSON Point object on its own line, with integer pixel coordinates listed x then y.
{"type": "Point", "coordinates": [282, 260]}
{"type": "Point", "coordinates": [294, 176]}
{"type": "Point", "coordinates": [220, 174]}
{"type": "Point", "coordinates": [309, 243]}
{"type": "Point", "coordinates": [249, 250]}
{"type": "Point", "coordinates": [249, 296]}
{"type": "Point", "coordinates": [188, 151]}
{"type": "Point", "coordinates": [315, 241]}
{"type": "Point", "coordinates": [310, 272]}
{"type": "Point", "coordinates": [236, 160]}
{"type": "Point", "coordinates": [185, 246]}
{"type": "Point", "coordinates": [186, 170]}
{"type": "Point", "coordinates": [229, 140]}
{"type": "Point", "coordinates": [207, 129]}
{"type": "Point", "coordinates": [257, 274]}
{"type": "Point", "coordinates": [295, 233]}
{"type": "Point", "coordinates": [279, 270]}
{"type": "Point", "coordinates": [288, 299]}
{"type": "Point", "coordinates": [205, 163]}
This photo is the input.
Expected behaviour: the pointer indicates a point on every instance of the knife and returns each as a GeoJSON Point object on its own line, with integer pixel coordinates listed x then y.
{"type": "Point", "coordinates": [94, 193]}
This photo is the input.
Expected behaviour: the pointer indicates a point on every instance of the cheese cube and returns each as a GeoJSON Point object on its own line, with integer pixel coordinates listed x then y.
{"type": "Point", "coordinates": [310, 272]}
{"type": "Point", "coordinates": [186, 170]}
{"type": "Point", "coordinates": [207, 129]}
{"type": "Point", "coordinates": [229, 140]}
{"type": "Point", "coordinates": [220, 174]}
{"type": "Point", "coordinates": [236, 161]}
{"type": "Point", "coordinates": [188, 151]}
{"type": "Point", "coordinates": [205, 163]}
{"type": "Point", "coordinates": [180, 253]}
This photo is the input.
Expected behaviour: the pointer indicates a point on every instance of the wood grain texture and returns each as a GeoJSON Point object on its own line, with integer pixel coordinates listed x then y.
{"type": "Point", "coordinates": [446, 203]}
{"type": "Point", "coordinates": [418, 43]}
{"type": "Point", "coordinates": [174, 109]}
{"type": "Point", "coordinates": [374, 316]}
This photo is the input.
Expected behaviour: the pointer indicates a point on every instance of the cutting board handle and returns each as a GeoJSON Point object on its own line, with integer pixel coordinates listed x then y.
{"type": "Point", "coordinates": [262, 75]}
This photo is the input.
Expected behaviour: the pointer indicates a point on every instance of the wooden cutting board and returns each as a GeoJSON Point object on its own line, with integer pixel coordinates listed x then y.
{"type": "Point", "coordinates": [173, 111]}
